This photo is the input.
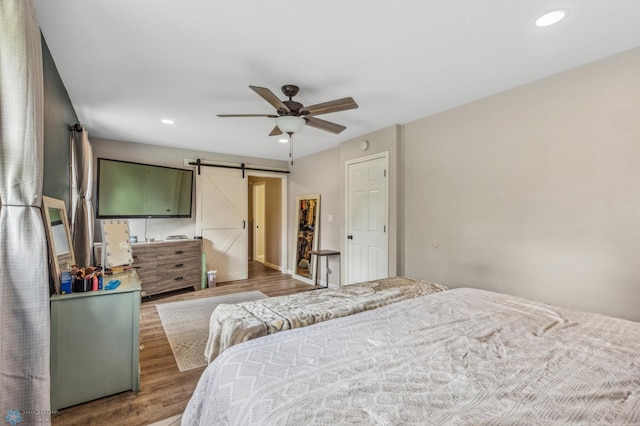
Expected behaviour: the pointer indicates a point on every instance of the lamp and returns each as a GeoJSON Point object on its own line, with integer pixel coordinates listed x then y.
{"type": "Point", "coordinates": [290, 123]}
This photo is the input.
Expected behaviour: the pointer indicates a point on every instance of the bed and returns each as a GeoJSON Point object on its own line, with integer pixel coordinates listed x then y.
{"type": "Point", "coordinates": [462, 356]}
{"type": "Point", "coordinates": [231, 324]}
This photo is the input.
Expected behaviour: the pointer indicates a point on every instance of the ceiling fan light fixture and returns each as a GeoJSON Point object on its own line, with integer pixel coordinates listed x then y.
{"type": "Point", "coordinates": [290, 123]}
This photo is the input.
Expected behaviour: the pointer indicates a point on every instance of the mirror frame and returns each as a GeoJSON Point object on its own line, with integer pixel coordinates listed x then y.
{"type": "Point", "coordinates": [54, 203]}
{"type": "Point", "coordinates": [300, 231]}
{"type": "Point", "coordinates": [116, 243]}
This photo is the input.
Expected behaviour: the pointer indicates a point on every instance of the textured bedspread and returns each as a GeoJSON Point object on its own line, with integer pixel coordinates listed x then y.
{"type": "Point", "coordinates": [231, 324]}
{"type": "Point", "coordinates": [463, 357]}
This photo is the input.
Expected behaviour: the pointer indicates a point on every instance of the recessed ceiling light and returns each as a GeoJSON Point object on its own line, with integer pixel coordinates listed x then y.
{"type": "Point", "coordinates": [283, 140]}
{"type": "Point", "coordinates": [552, 17]}
{"type": "Point", "coordinates": [167, 121]}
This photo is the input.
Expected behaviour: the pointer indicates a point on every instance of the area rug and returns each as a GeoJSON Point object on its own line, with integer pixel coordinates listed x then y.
{"type": "Point", "coordinates": [186, 325]}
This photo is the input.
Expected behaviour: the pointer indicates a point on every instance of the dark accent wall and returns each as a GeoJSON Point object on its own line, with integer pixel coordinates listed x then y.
{"type": "Point", "coordinates": [58, 116]}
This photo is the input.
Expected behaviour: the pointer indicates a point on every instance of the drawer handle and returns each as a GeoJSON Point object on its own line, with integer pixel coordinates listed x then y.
{"type": "Point", "coordinates": [179, 251]}
{"type": "Point", "coordinates": [135, 256]}
{"type": "Point", "coordinates": [179, 278]}
{"type": "Point", "coordinates": [179, 265]}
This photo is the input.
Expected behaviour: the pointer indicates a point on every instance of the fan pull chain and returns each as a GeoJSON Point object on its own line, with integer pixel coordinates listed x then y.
{"type": "Point", "coordinates": [290, 147]}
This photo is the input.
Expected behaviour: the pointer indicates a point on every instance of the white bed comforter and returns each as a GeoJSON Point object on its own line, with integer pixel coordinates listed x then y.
{"type": "Point", "coordinates": [462, 356]}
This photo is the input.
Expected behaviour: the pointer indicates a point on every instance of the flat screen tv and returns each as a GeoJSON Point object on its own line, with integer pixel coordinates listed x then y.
{"type": "Point", "coordinates": [135, 190]}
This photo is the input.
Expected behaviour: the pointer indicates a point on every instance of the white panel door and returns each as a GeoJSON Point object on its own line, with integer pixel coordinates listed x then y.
{"type": "Point", "coordinates": [221, 220]}
{"type": "Point", "coordinates": [367, 207]}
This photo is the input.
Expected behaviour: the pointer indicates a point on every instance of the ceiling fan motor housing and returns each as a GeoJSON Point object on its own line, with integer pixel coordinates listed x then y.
{"type": "Point", "coordinates": [293, 106]}
{"type": "Point", "coordinates": [290, 90]}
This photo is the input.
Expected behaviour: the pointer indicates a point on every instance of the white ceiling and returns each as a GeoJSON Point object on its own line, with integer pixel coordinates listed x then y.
{"type": "Point", "coordinates": [127, 64]}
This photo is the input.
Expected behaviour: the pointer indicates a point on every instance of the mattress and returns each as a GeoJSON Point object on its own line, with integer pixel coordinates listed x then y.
{"type": "Point", "coordinates": [462, 356]}
{"type": "Point", "coordinates": [231, 324]}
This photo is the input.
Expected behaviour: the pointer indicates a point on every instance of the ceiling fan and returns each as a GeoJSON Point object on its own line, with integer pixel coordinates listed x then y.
{"type": "Point", "coordinates": [292, 116]}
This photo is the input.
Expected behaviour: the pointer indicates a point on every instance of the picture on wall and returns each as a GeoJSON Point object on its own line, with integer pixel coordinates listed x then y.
{"type": "Point", "coordinates": [307, 234]}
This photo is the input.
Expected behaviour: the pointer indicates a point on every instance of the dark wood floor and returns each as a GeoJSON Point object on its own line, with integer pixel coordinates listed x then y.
{"type": "Point", "coordinates": [165, 391]}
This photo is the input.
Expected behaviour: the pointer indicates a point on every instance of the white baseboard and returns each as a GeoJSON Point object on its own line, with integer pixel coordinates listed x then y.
{"type": "Point", "coordinates": [272, 266]}
{"type": "Point", "coordinates": [323, 283]}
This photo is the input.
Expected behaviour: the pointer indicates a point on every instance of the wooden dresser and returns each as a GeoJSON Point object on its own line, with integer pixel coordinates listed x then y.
{"type": "Point", "coordinates": [166, 265]}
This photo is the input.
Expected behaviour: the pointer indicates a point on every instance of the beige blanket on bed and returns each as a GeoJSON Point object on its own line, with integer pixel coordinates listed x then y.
{"type": "Point", "coordinates": [235, 323]}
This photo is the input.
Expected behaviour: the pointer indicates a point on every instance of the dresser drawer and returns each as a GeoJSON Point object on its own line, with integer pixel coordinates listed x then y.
{"type": "Point", "coordinates": [144, 254]}
{"type": "Point", "coordinates": [179, 279]}
{"type": "Point", "coordinates": [178, 251]}
{"type": "Point", "coordinates": [177, 266]}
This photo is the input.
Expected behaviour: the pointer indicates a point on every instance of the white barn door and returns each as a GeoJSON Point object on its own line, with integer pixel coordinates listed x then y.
{"type": "Point", "coordinates": [221, 220]}
{"type": "Point", "coordinates": [367, 212]}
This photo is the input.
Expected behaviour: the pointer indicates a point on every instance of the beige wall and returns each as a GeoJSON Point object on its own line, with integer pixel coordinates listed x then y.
{"type": "Point", "coordinates": [324, 173]}
{"type": "Point", "coordinates": [273, 218]}
{"type": "Point", "coordinates": [533, 192]}
{"type": "Point", "coordinates": [317, 174]}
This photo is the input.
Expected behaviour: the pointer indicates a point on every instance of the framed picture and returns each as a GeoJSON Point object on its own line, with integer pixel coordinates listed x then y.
{"type": "Point", "coordinates": [307, 236]}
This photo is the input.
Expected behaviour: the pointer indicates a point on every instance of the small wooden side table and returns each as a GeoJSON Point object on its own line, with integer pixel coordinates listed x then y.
{"type": "Point", "coordinates": [326, 254]}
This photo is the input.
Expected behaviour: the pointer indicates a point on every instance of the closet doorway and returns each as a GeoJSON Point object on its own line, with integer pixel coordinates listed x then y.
{"type": "Point", "coordinates": [267, 218]}
{"type": "Point", "coordinates": [259, 222]}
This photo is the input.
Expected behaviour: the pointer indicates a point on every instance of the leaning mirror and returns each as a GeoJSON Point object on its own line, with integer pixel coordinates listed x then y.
{"type": "Point", "coordinates": [307, 235]}
{"type": "Point", "coordinates": [60, 247]}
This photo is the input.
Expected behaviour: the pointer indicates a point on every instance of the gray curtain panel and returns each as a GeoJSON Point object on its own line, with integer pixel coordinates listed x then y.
{"type": "Point", "coordinates": [82, 220]}
{"type": "Point", "coordinates": [24, 282]}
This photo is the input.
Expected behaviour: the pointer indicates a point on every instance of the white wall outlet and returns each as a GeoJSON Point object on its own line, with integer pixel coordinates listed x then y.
{"type": "Point", "coordinates": [330, 218]}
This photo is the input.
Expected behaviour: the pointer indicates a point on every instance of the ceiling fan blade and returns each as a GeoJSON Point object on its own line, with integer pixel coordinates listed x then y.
{"type": "Point", "coordinates": [268, 96]}
{"type": "Point", "coordinates": [331, 106]}
{"type": "Point", "coordinates": [276, 131]}
{"type": "Point", "coordinates": [247, 115]}
{"type": "Point", "coordinates": [324, 125]}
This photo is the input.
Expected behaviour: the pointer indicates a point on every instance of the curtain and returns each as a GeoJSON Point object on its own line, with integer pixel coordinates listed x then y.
{"type": "Point", "coordinates": [82, 221]}
{"type": "Point", "coordinates": [24, 273]}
